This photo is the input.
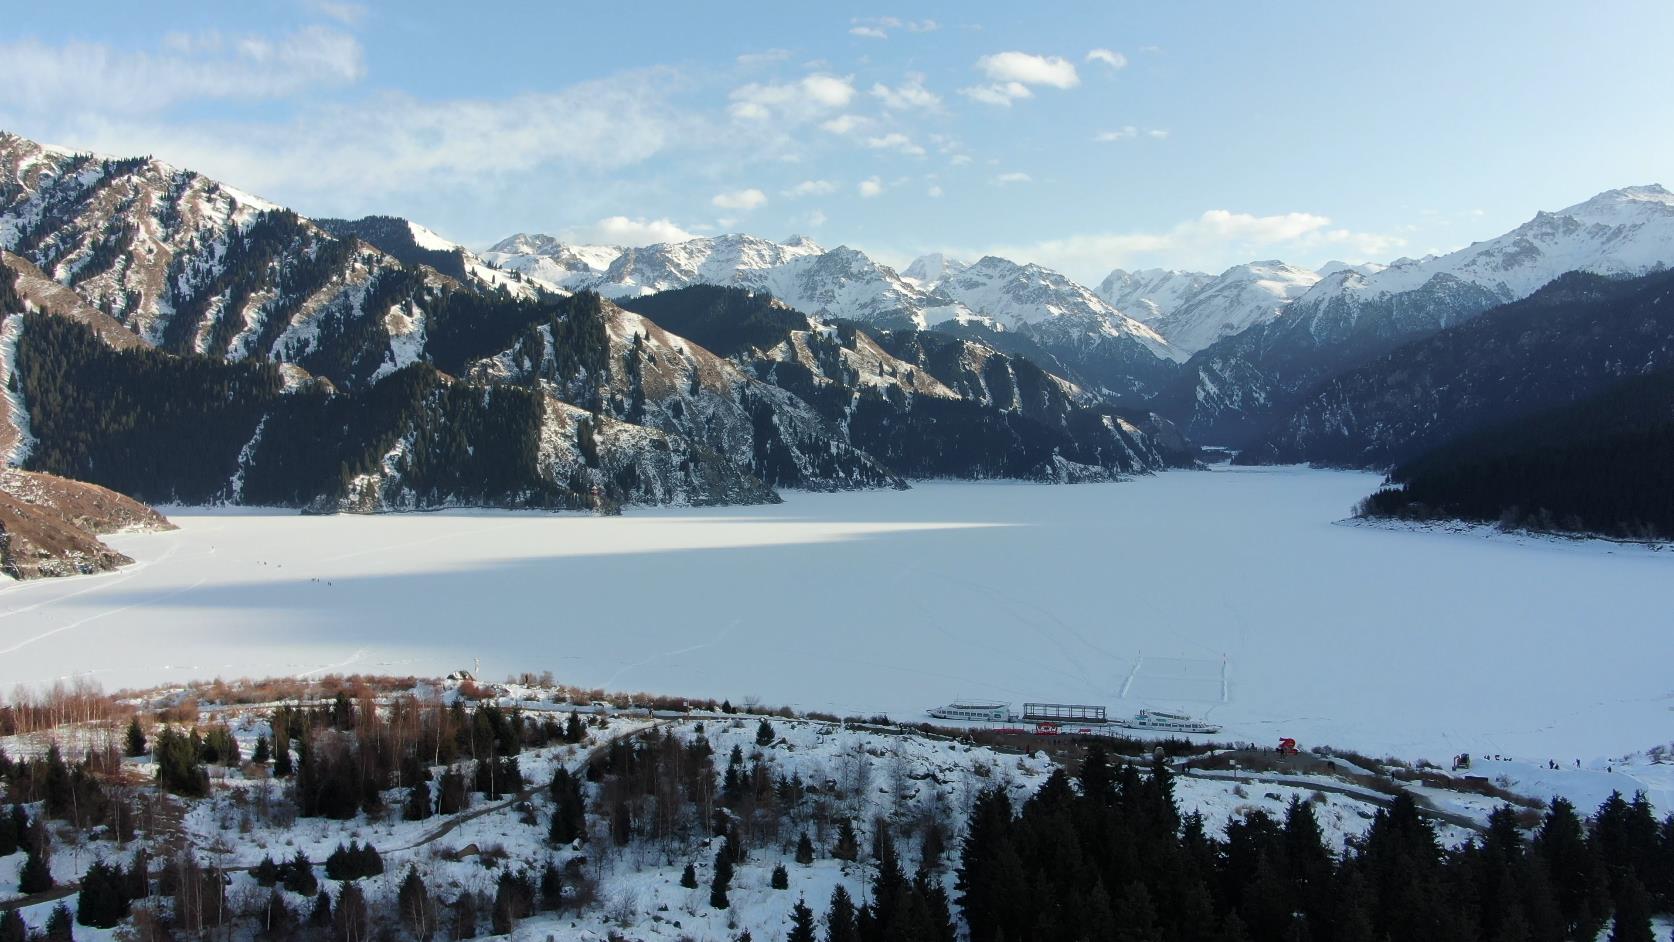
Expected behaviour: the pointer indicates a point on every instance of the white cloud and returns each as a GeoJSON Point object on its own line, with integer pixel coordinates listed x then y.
{"type": "Point", "coordinates": [878, 27]}
{"type": "Point", "coordinates": [1000, 94]}
{"type": "Point", "coordinates": [911, 93]}
{"type": "Point", "coordinates": [802, 100]}
{"type": "Point", "coordinates": [1128, 132]}
{"type": "Point", "coordinates": [620, 230]}
{"type": "Point", "coordinates": [81, 77]}
{"type": "Point", "coordinates": [845, 123]}
{"type": "Point", "coordinates": [1211, 241]}
{"type": "Point", "coordinates": [764, 57]}
{"type": "Point", "coordinates": [809, 188]}
{"type": "Point", "coordinates": [349, 14]}
{"type": "Point", "coordinates": [959, 160]}
{"type": "Point", "coordinates": [816, 219]}
{"type": "Point", "coordinates": [870, 187]}
{"type": "Point", "coordinates": [895, 141]}
{"type": "Point", "coordinates": [1109, 57]}
{"type": "Point", "coordinates": [343, 155]}
{"type": "Point", "coordinates": [934, 192]}
{"type": "Point", "coordinates": [739, 199]}
{"type": "Point", "coordinates": [1015, 176]}
{"type": "Point", "coordinates": [1028, 69]}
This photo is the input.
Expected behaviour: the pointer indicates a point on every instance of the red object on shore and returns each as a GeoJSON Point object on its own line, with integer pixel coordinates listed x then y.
{"type": "Point", "coordinates": [1287, 746]}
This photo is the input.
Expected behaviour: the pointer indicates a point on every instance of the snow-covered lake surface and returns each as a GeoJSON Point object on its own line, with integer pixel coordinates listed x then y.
{"type": "Point", "coordinates": [1231, 594]}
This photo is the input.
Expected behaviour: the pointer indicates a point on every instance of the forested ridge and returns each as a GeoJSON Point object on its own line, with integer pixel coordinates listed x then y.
{"type": "Point", "coordinates": [1577, 336]}
{"type": "Point", "coordinates": [168, 428]}
{"type": "Point", "coordinates": [1602, 465]}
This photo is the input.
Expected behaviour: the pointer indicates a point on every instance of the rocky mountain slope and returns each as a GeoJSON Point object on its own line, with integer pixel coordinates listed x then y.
{"type": "Point", "coordinates": [50, 526]}
{"type": "Point", "coordinates": [1232, 389]}
{"type": "Point", "coordinates": [1568, 340]}
{"type": "Point", "coordinates": [1234, 301]}
{"type": "Point", "coordinates": [1087, 336]}
{"type": "Point", "coordinates": [927, 403]}
{"type": "Point", "coordinates": [179, 340]}
{"type": "Point", "coordinates": [1150, 293]}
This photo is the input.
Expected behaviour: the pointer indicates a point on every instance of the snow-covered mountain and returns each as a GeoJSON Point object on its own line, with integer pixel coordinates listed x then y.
{"type": "Point", "coordinates": [550, 263]}
{"type": "Point", "coordinates": [1237, 299]}
{"type": "Point", "coordinates": [1150, 293]}
{"type": "Point", "coordinates": [928, 271]}
{"type": "Point", "coordinates": [1358, 312]}
{"type": "Point", "coordinates": [846, 284]}
{"type": "Point", "coordinates": [371, 364]}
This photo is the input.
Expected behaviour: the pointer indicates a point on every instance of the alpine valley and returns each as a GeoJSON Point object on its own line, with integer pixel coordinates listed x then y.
{"type": "Point", "coordinates": [177, 340]}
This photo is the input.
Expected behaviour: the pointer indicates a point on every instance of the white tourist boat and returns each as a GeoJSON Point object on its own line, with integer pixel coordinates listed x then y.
{"type": "Point", "coordinates": [973, 711]}
{"type": "Point", "coordinates": [1160, 721]}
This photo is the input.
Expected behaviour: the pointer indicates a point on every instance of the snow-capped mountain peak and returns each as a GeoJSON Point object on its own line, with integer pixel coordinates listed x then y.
{"type": "Point", "coordinates": [931, 269]}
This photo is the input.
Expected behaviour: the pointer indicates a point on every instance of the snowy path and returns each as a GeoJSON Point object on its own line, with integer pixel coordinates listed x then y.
{"type": "Point", "coordinates": [1241, 591]}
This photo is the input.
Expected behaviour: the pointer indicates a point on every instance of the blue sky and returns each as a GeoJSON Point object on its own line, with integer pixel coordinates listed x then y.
{"type": "Point", "coordinates": [1080, 135]}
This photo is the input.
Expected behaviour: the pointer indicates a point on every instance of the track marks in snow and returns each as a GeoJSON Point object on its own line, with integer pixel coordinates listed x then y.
{"type": "Point", "coordinates": [610, 682]}
{"type": "Point", "coordinates": [98, 615]}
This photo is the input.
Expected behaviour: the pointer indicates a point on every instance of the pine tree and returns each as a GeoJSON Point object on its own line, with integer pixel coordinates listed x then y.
{"type": "Point", "coordinates": [136, 738]}
{"type": "Point", "coordinates": [552, 887]}
{"type": "Point", "coordinates": [350, 916]}
{"type": "Point", "coordinates": [848, 843]}
{"type": "Point", "coordinates": [1573, 869]}
{"type": "Point", "coordinates": [418, 910]}
{"type": "Point", "coordinates": [320, 915]}
{"type": "Point", "coordinates": [60, 927]}
{"type": "Point", "coordinates": [569, 812]}
{"type": "Point", "coordinates": [12, 927]}
{"type": "Point", "coordinates": [59, 795]}
{"type": "Point", "coordinates": [804, 850]}
{"type": "Point", "coordinates": [417, 807]}
{"type": "Point", "coordinates": [36, 875]}
{"type": "Point", "coordinates": [281, 748]}
{"type": "Point", "coordinates": [765, 734]}
{"type": "Point", "coordinates": [840, 917]}
{"type": "Point", "coordinates": [263, 753]}
{"type": "Point", "coordinates": [780, 879]}
{"type": "Point", "coordinates": [1136, 916]}
{"type": "Point", "coordinates": [102, 901]}
{"type": "Point", "coordinates": [298, 876]}
{"type": "Point", "coordinates": [1633, 913]}
{"type": "Point", "coordinates": [465, 916]}
{"type": "Point", "coordinates": [723, 875]}
{"type": "Point", "coordinates": [688, 877]}
{"type": "Point", "coordinates": [802, 923]}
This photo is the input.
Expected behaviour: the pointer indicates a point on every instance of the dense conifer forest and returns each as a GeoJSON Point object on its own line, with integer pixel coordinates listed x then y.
{"type": "Point", "coordinates": [166, 428]}
{"type": "Point", "coordinates": [1576, 337]}
{"type": "Point", "coordinates": [1106, 855]}
{"type": "Point", "coordinates": [1602, 465]}
{"type": "Point", "coordinates": [155, 426]}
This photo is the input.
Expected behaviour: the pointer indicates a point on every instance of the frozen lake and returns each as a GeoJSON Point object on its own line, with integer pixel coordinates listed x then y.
{"type": "Point", "coordinates": [1230, 593]}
